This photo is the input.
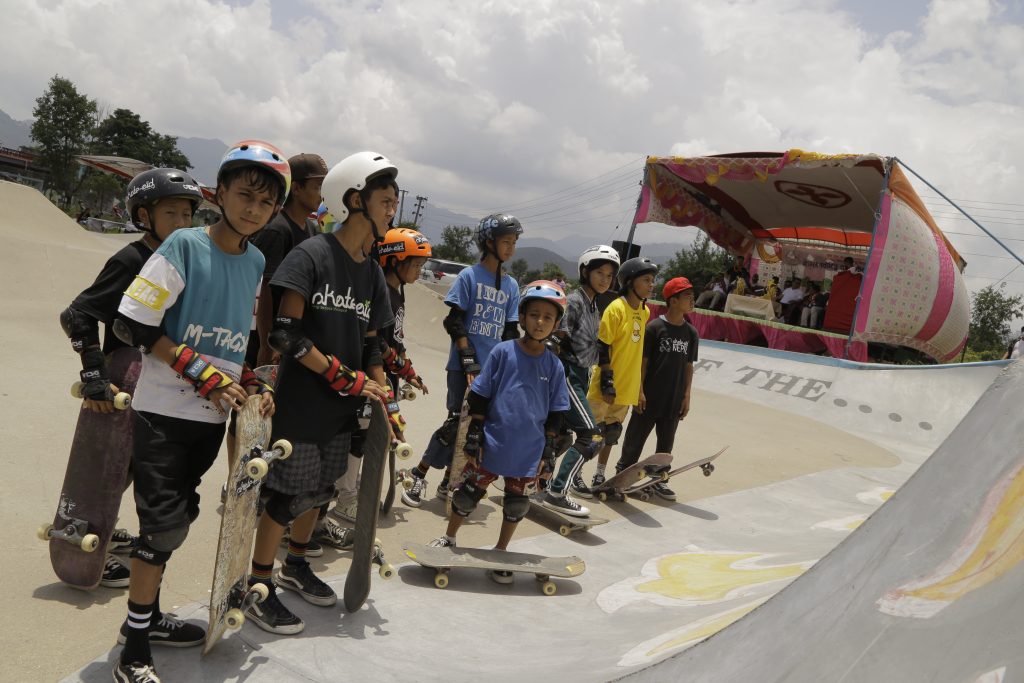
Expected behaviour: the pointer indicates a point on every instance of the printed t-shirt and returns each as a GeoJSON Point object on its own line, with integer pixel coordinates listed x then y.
{"type": "Point", "coordinates": [487, 310]}
{"type": "Point", "coordinates": [622, 328]}
{"type": "Point", "coordinates": [667, 348]}
{"type": "Point", "coordinates": [101, 299]}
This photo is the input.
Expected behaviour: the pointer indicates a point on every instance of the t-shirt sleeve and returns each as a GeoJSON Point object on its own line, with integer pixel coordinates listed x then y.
{"type": "Point", "coordinates": [609, 323]}
{"type": "Point", "coordinates": [158, 285]}
{"type": "Point", "coordinates": [460, 294]}
{"type": "Point", "coordinates": [296, 272]}
{"type": "Point", "coordinates": [101, 299]}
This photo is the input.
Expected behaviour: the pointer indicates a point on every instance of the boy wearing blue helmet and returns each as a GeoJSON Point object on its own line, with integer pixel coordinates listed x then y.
{"type": "Point", "coordinates": [516, 404]}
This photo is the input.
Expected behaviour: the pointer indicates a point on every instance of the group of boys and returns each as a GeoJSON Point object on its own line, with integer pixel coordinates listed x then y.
{"type": "Point", "coordinates": [330, 312]}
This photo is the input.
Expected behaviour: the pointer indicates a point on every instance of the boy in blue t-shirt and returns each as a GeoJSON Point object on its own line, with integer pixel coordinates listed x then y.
{"type": "Point", "coordinates": [189, 310]}
{"type": "Point", "coordinates": [516, 406]}
{"type": "Point", "coordinates": [484, 305]}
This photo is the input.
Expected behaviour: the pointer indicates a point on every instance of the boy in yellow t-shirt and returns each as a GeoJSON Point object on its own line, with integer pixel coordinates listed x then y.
{"type": "Point", "coordinates": [617, 386]}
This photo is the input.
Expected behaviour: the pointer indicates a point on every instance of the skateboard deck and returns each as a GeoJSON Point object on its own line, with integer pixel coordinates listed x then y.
{"type": "Point", "coordinates": [566, 523]}
{"type": "Point", "coordinates": [230, 594]}
{"type": "Point", "coordinates": [95, 479]}
{"type": "Point", "coordinates": [615, 485]}
{"type": "Point", "coordinates": [443, 560]}
{"type": "Point", "coordinates": [459, 457]}
{"type": "Point", "coordinates": [366, 549]}
{"type": "Point", "coordinates": [640, 489]}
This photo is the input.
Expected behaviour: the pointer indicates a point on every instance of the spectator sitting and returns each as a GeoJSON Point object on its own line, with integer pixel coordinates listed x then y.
{"type": "Point", "coordinates": [755, 286]}
{"type": "Point", "coordinates": [792, 302]}
{"type": "Point", "coordinates": [814, 307]}
{"type": "Point", "coordinates": [713, 296]}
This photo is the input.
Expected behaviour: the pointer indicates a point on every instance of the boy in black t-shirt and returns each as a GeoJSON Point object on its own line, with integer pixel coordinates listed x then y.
{"type": "Point", "coordinates": [670, 349]}
{"type": "Point", "coordinates": [334, 299]}
{"type": "Point", "coordinates": [159, 201]}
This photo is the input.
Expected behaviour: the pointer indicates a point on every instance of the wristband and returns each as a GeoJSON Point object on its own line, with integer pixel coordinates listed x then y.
{"type": "Point", "coordinates": [197, 371]}
{"type": "Point", "coordinates": [343, 379]}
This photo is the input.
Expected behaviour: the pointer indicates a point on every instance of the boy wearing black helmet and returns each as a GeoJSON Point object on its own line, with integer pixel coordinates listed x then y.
{"type": "Point", "coordinates": [578, 330]}
{"type": "Point", "coordinates": [616, 385]}
{"type": "Point", "coordinates": [516, 406]}
{"type": "Point", "coordinates": [193, 371]}
{"type": "Point", "coordinates": [483, 311]}
{"type": "Point", "coordinates": [333, 301]}
{"type": "Point", "coordinates": [159, 201]}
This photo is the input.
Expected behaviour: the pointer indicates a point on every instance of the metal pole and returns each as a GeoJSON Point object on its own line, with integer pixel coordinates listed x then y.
{"type": "Point", "coordinates": [632, 225]}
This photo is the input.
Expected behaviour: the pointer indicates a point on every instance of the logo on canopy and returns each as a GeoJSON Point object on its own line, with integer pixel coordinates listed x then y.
{"type": "Point", "coordinates": [817, 196]}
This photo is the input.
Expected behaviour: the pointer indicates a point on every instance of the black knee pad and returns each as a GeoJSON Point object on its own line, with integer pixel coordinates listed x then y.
{"type": "Point", "coordinates": [588, 444]}
{"type": "Point", "coordinates": [449, 428]}
{"type": "Point", "coordinates": [157, 558]}
{"type": "Point", "coordinates": [562, 442]}
{"type": "Point", "coordinates": [156, 548]}
{"type": "Point", "coordinates": [285, 509]}
{"type": "Point", "coordinates": [611, 432]}
{"type": "Point", "coordinates": [466, 498]}
{"type": "Point", "coordinates": [515, 507]}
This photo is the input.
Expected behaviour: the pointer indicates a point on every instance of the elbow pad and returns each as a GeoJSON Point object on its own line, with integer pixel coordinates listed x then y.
{"type": "Point", "coordinates": [477, 404]}
{"type": "Point", "coordinates": [604, 355]}
{"type": "Point", "coordinates": [81, 328]}
{"type": "Point", "coordinates": [511, 331]}
{"type": "Point", "coordinates": [134, 333]}
{"type": "Point", "coordinates": [454, 324]}
{"type": "Point", "coordinates": [287, 337]}
{"type": "Point", "coordinates": [553, 425]}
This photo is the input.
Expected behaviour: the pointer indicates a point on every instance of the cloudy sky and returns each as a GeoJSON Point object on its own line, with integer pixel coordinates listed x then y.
{"type": "Point", "coordinates": [547, 108]}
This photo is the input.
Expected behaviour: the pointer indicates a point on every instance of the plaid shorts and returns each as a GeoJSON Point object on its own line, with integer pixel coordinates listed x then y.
{"type": "Point", "coordinates": [310, 467]}
{"type": "Point", "coordinates": [482, 478]}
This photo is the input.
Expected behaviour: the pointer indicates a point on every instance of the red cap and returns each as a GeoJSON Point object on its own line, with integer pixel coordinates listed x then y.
{"type": "Point", "coordinates": [674, 286]}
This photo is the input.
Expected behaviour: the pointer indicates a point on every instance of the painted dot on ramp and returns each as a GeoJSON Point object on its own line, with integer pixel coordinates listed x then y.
{"type": "Point", "coordinates": [864, 409]}
{"type": "Point", "coordinates": [925, 426]}
{"type": "Point", "coordinates": [895, 417]}
{"type": "Point", "coordinates": [841, 402]}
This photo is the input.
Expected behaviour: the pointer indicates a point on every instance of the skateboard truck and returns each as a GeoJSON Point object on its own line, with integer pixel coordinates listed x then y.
{"type": "Point", "coordinates": [75, 533]}
{"type": "Point", "coordinates": [408, 392]}
{"type": "Point", "coordinates": [385, 571]}
{"type": "Point", "coordinates": [258, 460]}
{"type": "Point", "coordinates": [244, 598]}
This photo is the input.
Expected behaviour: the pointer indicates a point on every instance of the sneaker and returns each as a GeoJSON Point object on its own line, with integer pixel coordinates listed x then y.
{"type": "Point", "coordinates": [313, 549]}
{"type": "Point", "coordinates": [414, 496]}
{"type": "Point", "coordinates": [442, 542]}
{"type": "Point", "coordinates": [136, 672]}
{"type": "Point", "coordinates": [329, 532]}
{"type": "Point", "coordinates": [578, 487]}
{"type": "Point", "coordinates": [500, 576]}
{"type": "Point", "coordinates": [272, 616]}
{"type": "Point", "coordinates": [565, 505]}
{"type": "Point", "coordinates": [169, 632]}
{"type": "Point", "coordinates": [596, 481]}
{"type": "Point", "coordinates": [346, 511]}
{"type": "Point", "coordinates": [301, 579]}
{"type": "Point", "coordinates": [122, 542]}
{"type": "Point", "coordinates": [663, 491]}
{"type": "Point", "coordinates": [115, 573]}
{"type": "Point", "coordinates": [443, 491]}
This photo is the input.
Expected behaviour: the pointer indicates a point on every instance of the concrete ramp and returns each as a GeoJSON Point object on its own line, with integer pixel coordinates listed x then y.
{"type": "Point", "coordinates": [929, 588]}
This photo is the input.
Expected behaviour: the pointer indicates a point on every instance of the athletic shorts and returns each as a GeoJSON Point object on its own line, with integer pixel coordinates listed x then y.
{"type": "Point", "coordinates": [169, 458]}
{"type": "Point", "coordinates": [482, 478]}
{"type": "Point", "coordinates": [311, 467]}
{"type": "Point", "coordinates": [605, 413]}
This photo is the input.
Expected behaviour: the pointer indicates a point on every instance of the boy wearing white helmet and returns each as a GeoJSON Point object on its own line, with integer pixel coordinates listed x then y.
{"type": "Point", "coordinates": [333, 301]}
{"type": "Point", "coordinates": [516, 404]}
{"type": "Point", "coordinates": [578, 332]}
{"type": "Point", "coordinates": [190, 378]}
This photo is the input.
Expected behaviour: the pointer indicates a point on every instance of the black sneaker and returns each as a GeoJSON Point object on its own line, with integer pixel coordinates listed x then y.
{"type": "Point", "coordinates": [442, 542]}
{"type": "Point", "coordinates": [663, 491]}
{"type": "Point", "coordinates": [169, 631]}
{"type": "Point", "coordinates": [122, 542]}
{"type": "Point", "coordinates": [564, 504]}
{"type": "Point", "coordinates": [443, 491]}
{"type": "Point", "coordinates": [414, 496]}
{"type": "Point", "coordinates": [115, 573]}
{"type": "Point", "coordinates": [301, 579]}
{"type": "Point", "coordinates": [579, 488]}
{"type": "Point", "coordinates": [596, 481]}
{"type": "Point", "coordinates": [313, 549]}
{"type": "Point", "coordinates": [329, 532]}
{"type": "Point", "coordinates": [272, 616]}
{"type": "Point", "coordinates": [500, 576]}
{"type": "Point", "coordinates": [136, 672]}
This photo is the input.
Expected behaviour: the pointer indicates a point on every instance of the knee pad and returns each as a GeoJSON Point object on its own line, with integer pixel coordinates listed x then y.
{"type": "Point", "coordinates": [562, 442]}
{"type": "Point", "coordinates": [611, 432]}
{"type": "Point", "coordinates": [446, 432]}
{"type": "Point", "coordinates": [466, 497]}
{"type": "Point", "coordinates": [284, 508]}
{"type": "Point", "coordinates": [157, 558]}
{"type": "Point", "coordinates": [156, 548]}
{"type": "Point", "coordinates": [516, 507]}
{"type": "Point", "coordinates": [588, 444]}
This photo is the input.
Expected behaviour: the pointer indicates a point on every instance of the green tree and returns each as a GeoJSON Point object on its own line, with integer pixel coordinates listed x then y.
{"type": "Point", "coordinates": [125, 134]}
{"type": "Point", "coordinates": [456, 244]}
{"type": "Point", "coordinates": [991, 313]}
{"type": "Point", "coordinates": [518, 270]}
{"type": "Point", "coordinates": [699, 263]}
{"type": "Point", "coordinates": [61, 127]}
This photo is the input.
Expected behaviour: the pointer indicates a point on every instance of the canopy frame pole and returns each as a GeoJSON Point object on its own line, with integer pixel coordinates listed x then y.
{"type": "Point", "coordinates": [957, 207]}
{"type": "Point", "coordinates": [639, 201]}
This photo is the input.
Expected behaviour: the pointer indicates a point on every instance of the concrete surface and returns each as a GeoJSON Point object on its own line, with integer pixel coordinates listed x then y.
{"type": "Point", "coordinates": [816, 446]}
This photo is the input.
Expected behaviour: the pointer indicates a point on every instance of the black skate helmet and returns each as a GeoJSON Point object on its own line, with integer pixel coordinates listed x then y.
{"type": "Point", "coordinates": [148, 187]}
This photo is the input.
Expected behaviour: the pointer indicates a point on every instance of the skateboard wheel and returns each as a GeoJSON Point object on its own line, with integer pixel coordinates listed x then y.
{"type": "Point", "coordinates": [122, 400]}
{"type": "Point", "coordinates": [260, 590]}
{"type": "Point", "coordinates": [43, 532]}
{"type": "Point", "coordinates": [549, 588]}
{"type": "Point", "coordinates": [564, 530]}
{"type": "Point", "coordinates": [407, 483]}
{"type": "Point", "coordinates": [664, 477]}
{"type": "Point", "coordinates": [408, 392]}
{"type": "Point", "coordinates": [257, 468]}
{"type": "Point", "coordinates": [708, 469]}
{"type": "Point", "coordinates": [441, 580]}
{"type": "Point", "coordinates": [90, 542]}
{"type": "Point", "coordinates": [283, 447]}
{"type": "Point", "coordinates": [645, 497]}
{"type": "Point", "coordinates": [602, 496]}
{"type": "Point", "coordinates": [386, 571]}
{"type": "Point", "coordinates": [403, 451]}
{"type": "Point", "coordinates": [234, 618]}
{"type": "Point", "coordinates": [76, 389]}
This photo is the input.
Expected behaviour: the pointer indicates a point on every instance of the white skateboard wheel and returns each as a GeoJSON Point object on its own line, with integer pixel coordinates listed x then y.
{"type": "Point", "coordinates": [90, 542]}
{"type": "Point", "coordinates": [549, 588]}
{"type": "Point", "coordinates": [122, 400]}
{"type": "Point", "coordinates": [283, 447]}
{"type": "Point", "coordinates": [43, 532]}
{"type": "Point", "coordinates": [441, 580]}
{"type": "Point", "coordinates": [564, 530]}
{"type": "Point", "coordinates": [386, 571]}
{"type": "Point", "coordinates": [403, 451]}
{"type": "Point", "coordinates": [76, 389]}
{"type": "Point", "coordinates": [234, 619]}
{"type": "Point", "coordinates": [261, 591]}
{"type": "Point", "coordinates": [257, 468]}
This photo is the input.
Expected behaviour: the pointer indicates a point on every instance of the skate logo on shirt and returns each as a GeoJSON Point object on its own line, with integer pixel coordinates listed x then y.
{"type": "Point", "coordinates": [635, 336]}
{"type": "Point", "coordinates": [671, 345]}
{"type": "Point", "coordinates": [222, 337]}
{"type": "Point", "coordinates": [487, 318]}
{"type": "Point", "coordinates": [327, 300]}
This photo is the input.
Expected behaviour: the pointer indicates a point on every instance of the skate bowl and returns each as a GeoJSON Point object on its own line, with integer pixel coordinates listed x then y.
{"type": "Point", "coordinates": [851, 496]}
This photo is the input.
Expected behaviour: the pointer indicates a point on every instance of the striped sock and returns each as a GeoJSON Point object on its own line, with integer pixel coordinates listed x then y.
{"type": "Point", "coordinates": [136, 642]}
{"type": "Point", "coordinates": [261, 573]}
{"type": "Point", "coordinates": [296, 552]}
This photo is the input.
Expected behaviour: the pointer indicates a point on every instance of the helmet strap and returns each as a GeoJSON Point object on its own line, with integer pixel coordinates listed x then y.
{"type": "Point", "coordinates": [227, 221]}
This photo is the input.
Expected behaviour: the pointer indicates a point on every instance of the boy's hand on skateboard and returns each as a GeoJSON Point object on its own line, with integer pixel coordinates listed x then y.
{"type": "Point", "coordinates": [470, 365]}
{"type": "Point", "coordinates": [100, 401]}
{"type": "Point", "coordinates": [267, 405]}
{"type": "Point", "coordinates": [474, 439]}
{"type": "Point", "coordinates": [418, 382]}
{"type": "Point", "coordinates": [232, 395]}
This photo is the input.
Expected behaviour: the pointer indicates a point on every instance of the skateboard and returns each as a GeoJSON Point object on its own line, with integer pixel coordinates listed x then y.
{"type": "Point", "coordinates": [95, 479]}
{"type": "Point", "coordinates": [640, 490]}
{"type": "Point", "coordinates": [366, 549]}
{"type": "Point", "coordinates": [407, 392]}
{"type": "Point", "coordinates": [231, 595]}
{"type": "Point", "coordinates": [615, 485]}
{"type": "Point", "coordinates": [443, 560]}
{"type": "Point", "coordinates": [566, 523]}
{"type": "Point", "coordinates": [459, 457]}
